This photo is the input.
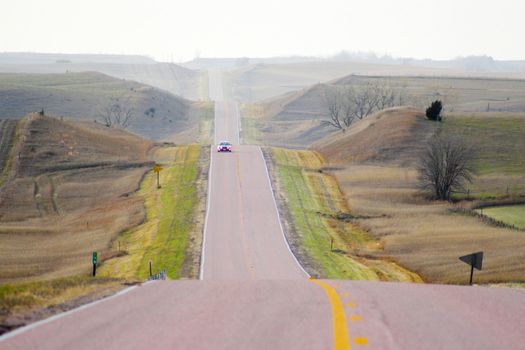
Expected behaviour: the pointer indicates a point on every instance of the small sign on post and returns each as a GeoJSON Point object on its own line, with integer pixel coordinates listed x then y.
{"type": "Point", "coordinates": [156, 169]}
{"type": "Point", "coordinates": [94, 264]}
{"type": "Point", "coordinates": [475, 260]}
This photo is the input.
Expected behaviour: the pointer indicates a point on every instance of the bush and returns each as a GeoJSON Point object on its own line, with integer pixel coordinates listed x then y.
{"type": "Point", "coordinates": [434, 111]}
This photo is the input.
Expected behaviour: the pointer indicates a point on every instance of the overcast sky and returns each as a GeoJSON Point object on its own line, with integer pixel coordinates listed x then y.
{"type": "Point", "coordinates": [225, 28]}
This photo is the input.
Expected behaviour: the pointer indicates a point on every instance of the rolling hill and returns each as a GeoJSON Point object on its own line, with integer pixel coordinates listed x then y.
{"type": "Point", "coordinates": [375, 164]}
{"type": "Point", "coordinates": [258, 82]}
{"type": "Point", "coordinates": [291, 120]}
{"type": "Point", "coordinates": [173, 78]}
{"type": "Point", "coordinates": [294, 119]}
{"type": "Point", "coordinates": [68, 193]}
{"type": "Point", "coordinates": [157, 115]}
{"type": "Point", "coordinates": [394, 135]}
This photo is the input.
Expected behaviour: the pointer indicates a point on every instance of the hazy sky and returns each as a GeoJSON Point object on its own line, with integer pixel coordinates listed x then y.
{"type": "Point", "coordinates": [224, 28]}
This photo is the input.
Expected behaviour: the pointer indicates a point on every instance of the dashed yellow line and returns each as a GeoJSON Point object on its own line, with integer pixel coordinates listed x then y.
{"type": "Point", "coordinates": [361, 340]}
{"type": "Point", "coordinates": [341, 339]}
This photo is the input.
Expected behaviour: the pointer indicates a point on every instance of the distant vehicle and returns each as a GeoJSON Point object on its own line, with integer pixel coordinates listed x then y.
{"type": "Point", "coordinates": [224, 146]}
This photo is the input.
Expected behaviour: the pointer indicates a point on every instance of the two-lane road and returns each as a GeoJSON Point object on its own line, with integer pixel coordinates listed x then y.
{"type": "Point", "coordinates": [243, 238]}
{"type": "Point", "coordinates": [254, 295]}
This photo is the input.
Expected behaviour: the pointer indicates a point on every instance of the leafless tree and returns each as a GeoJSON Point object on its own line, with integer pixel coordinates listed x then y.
{"type": "Point", "coordinates": [348, 103]}
{"type": "Point", "coordinates": [445, 166]}
{"type": "Point", "coordinates": [116, 115]}
{"type": "Point", "coordinates": [336, 102]}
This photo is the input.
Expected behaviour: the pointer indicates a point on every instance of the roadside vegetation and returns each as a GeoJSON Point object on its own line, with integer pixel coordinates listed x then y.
{"type": "Point", "coordinates": [334, 246]}
{"type": "Point", "coordinates": [90, 188]}
{"type": "Point", "coordinates": [375, 164]}
{"type": "Point", "coordinates": [18, 300]}
{"type": "Point", "coordinates": [168, 236]}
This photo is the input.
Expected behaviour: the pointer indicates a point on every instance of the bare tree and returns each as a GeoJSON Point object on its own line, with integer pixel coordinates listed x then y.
{"type": "Point", "coordinates": [348, 103]}
{"type": "Point", "coordinates": [445, 166]}
{"type": "Point", "coordinates": [116, 116]}
{"type": "Point", "coordinates": [335, 101]}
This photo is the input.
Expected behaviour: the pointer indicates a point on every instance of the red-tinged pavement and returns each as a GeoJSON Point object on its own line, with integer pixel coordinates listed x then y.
{"type": "Point", "coordinates": [289, 314]}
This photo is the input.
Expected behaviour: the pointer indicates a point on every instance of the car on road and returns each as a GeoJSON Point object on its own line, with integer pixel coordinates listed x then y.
{"type": "Point", "coordinates": [224, 146]}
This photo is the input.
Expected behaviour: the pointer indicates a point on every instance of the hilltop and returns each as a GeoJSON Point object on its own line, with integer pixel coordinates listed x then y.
{"type": "Point", "coordinates": [258, 82]}
{"type": "Point", "coordinates": [290, 120]}
{"type": "Point", "coordinates": [293, 119]}
{"type": "Point", "coordinates": [394, 135]}
{"type": "Point", "coordinates": [166, 76]}
{"type": "Point", "coordinates": [158, 115]}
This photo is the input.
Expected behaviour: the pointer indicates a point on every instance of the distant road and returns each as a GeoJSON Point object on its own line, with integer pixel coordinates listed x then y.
{"type": "Point", "coordinates": [243, 237]}
{"type": "Point", "coordinates": [254, 294]}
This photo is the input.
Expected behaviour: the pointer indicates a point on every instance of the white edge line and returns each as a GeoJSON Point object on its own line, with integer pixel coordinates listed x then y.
{"type": "Point", "coordinates": [279, 216]}
{"type": "Point", "coordinates": [208, 201]}
{"type": "Point", "coordinates": [28, 327]}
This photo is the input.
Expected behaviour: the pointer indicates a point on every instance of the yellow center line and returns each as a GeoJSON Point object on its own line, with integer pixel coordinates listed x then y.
{"type": "Point", "coordinates": [341, 339]}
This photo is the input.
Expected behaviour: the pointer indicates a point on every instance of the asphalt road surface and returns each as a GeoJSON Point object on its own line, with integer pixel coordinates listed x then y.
{"type": "Point", "coordinates": [254, 295]}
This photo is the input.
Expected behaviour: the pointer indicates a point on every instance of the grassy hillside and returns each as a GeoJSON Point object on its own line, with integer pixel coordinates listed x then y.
{"type": "Point", "coordinates": [262, 81]}
{"type": "Point", "coordinates": [294, 119]}
{"type": "Point", "coordinates": [70, 196]}
{"type": "Point", "coordinates": [170, 237]}
{"type": "Point", "coordinates": [459, 94]}
{"type": "Point", "coordinates": [374, 164]}
{"type": "Point", "coordinates": [392, 135]}
{"type": "Point", "coordinates": [81, 187]}
{"type": "Point", "coordinates": [328, 244]}
{"type": "Point", "coordinates": [170, 77]}
{"type": "Point", "coordinates": [83, 96]}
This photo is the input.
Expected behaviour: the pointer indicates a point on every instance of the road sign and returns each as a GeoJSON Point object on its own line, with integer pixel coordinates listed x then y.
{"type": "Point", "coordinates": [157, 168]}
{"type": "Point", "coordinates": [475, 260]}
{"type": "Point", "coordinates": [94, 264]}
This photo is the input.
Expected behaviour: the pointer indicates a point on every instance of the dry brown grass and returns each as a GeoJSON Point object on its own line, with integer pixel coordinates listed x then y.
{"type": "Point", "coordinates": [317, 214]}
{"type": "Point", "coordinates": [83, 96]}
{"type": "Point", "coordinates": [70, 196]}
{"type": "Point", "coordinates": [393, 135]}
{"type": "Point", "coordinates": [426, 237]}
{"type": "Point", "coordinates": [293, 119]}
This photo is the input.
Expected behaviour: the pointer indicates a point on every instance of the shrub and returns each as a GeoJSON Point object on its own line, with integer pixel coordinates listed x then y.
{"type": "Point", "coordinates": [434, 111]}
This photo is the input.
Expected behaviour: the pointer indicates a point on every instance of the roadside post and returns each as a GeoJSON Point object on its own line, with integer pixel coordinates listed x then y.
{"type": "Point", "coordinates": [150, 271]}
{"type": "Point", "coordinates": [475, 260]}
{"type": "Point", "coordinates": [156, 169]}
{"type": "Point", "coordinates": [94, 264]}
